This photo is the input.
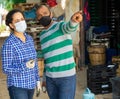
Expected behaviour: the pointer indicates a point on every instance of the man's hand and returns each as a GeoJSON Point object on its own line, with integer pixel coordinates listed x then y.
{"type": "Point", "coordinates": [77, 17]}
{"type": "Point", "coordinates": [44, 86]}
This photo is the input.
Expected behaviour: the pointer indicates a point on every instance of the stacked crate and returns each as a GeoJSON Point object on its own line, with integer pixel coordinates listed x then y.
{"type": "Point", "coordinates": [107, 14]}
{"type": "Point", "coordinates": [112, 21]}
{"type": "Point", "coordinates": [98, 78]}
{"type": "Point", "coordinates": [34, 29]}
{"type": "Point", "coordinates": [24, 6]}
{"type": "Point", "coordinates": [96, 12]}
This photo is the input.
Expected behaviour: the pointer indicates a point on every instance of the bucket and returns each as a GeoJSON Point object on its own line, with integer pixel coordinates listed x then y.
{"type": "Point", "coordinates": [97, 54]}
{"type": "Point", "coordinates": [88, 95]}
{"type": "Point", "coordinates": [115, 87]}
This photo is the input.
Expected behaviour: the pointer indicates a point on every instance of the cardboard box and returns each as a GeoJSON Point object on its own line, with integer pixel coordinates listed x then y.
{"type": "Point", "coordinates": [41, 66]}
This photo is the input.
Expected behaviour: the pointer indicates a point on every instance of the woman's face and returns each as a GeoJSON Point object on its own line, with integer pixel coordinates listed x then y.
{"type": "Point", "coordinates": [17, 17]}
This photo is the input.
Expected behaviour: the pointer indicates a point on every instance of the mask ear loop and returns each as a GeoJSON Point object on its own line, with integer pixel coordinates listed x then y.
{"type": "Point", "coordinates": [51, 16]}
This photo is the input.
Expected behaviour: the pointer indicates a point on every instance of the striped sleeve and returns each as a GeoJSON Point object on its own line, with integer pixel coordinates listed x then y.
{"type": "Point", "coordinates": [69, 27]}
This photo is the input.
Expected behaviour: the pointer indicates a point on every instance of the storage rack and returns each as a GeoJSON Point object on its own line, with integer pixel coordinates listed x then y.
{"type": "Point", "coordinates": [34, 30]}
{"type": "Point", "coordinates": [106, 12]}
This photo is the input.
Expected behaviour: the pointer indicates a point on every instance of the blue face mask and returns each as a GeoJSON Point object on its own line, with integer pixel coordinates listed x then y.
{"type": "Point", "coordinates": [21, 26]}
{"type": "Point", "coordinates": [45, 21]}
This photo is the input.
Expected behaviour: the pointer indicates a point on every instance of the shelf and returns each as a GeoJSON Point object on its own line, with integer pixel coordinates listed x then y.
{"type": "Point", "coordinates": [5, 34]}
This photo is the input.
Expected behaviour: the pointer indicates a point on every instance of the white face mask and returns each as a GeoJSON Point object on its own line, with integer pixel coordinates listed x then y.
{"type": "Point", "coordinates": [21, 26]}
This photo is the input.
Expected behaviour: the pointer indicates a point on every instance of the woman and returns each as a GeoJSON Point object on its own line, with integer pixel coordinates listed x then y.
{"type": "Point", "coordinates": [19, 60]}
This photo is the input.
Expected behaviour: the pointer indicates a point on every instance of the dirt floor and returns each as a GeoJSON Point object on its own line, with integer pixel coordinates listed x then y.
{"type": "Point", "coordinates": [81, 86]}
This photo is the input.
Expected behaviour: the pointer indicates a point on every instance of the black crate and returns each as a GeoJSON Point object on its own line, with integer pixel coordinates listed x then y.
{"type": "Point", "coordinates": [103, 75]}
{"type": "Point", "coordinates": [99, 85]}
{"type": "Point", "coordinates": [107, 67]}
{"type": "Point", "coordinates": [101, 72]}
{"type": "Point", "coordinates": [98, 78]}
{"type": "Point", "coordinates": [100, 91]}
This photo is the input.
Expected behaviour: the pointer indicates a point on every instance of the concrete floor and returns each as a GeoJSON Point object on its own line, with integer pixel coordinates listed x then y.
{"type": "Point", "coordinates": [81, 85]}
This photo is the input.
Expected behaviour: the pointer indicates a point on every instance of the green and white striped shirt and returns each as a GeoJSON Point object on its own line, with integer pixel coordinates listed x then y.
{"type": "Point", "coordinates": [57, 49]}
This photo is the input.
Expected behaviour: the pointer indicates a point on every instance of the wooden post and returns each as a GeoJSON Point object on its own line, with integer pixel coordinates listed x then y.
{"type": "Point", "coordinates": [82, 39]}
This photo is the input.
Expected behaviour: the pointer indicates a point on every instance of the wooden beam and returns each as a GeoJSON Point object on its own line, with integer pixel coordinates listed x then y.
{"type": "Point", "coordinates": [82, 39]}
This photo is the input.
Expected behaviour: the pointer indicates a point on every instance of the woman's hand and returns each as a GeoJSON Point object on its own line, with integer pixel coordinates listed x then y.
{"type": "Point", "coordinates": [44, 86]}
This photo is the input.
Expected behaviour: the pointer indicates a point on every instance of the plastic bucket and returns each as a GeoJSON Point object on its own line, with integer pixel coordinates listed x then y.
{"type": "Point", "coordinates": [88, 95]}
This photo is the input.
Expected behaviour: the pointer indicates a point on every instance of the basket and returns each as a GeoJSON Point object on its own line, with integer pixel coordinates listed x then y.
{"type": "Point", "coordinates": [116, 59]}
{"type": "Point", "coordinates": [97, 55]}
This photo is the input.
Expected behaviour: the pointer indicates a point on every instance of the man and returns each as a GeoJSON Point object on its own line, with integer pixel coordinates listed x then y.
{"type": "Point", "coordinates": [57, 49]}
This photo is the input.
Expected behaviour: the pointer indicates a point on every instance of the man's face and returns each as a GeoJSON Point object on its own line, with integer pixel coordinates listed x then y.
{"type": "Point", "coordinates": [43, 11]}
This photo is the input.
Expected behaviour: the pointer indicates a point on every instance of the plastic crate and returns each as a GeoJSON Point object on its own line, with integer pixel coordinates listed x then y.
{"type": "Point", "coordinates": [102, 67]}
{"type": "Point", "coordinates": [98, 78]}
{"type": "Point", "coordinates": [102, 72]}
{"type": "Point", "coordinates": [100, 91]}
{"type": "Point", "coordinates": [102, 75]}
{"type": "Point", "coordinates": [100, 85]}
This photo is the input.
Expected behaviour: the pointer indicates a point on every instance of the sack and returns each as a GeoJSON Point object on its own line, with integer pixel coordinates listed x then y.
{"type": "Point", "coordinates": [57, 10]}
